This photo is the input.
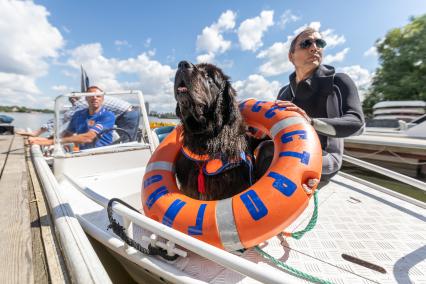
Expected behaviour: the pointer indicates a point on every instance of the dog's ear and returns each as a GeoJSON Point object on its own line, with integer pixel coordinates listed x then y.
{"type": "Point", "coordinates": [230, 107]}
{"type": "Point", "coordinates": [178, 112]}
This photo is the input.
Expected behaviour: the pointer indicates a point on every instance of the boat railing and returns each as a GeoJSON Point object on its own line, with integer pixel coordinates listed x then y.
{"type": "Point", "coordinates": [224, 258]}
{"type": "Point", "coordinates": [386, 172]}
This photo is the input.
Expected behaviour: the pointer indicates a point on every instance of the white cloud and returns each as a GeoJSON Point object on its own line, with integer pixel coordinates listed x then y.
{"type": "Point", "coordinates": [256, 86]}
{"type": "Point", "coordinates": [372, 51]}
{"type": "Point", "coordinates": [315, 25]}
{"type": "Point", "coordinates": [27, 42]}
{"type": "Point", "coordinates": [153, 78]}
{"type": "Point", "coordinates": [329, 36]}
{"type": "Point", "coordinates": [22, 90]}
{"type": "Point", "coordinates": [211, 39]}
{"type": "Point", "coordinates": [61, 89]}
{"type": "Point", "coordinates": [251, 30]}
{"type": "Point", "coordinates": [276, 56]}
{"type": "Point", "coordinates": [226, 21]}
{"type": "Point", "coordinates": [205, 58]}
{"type": "Point", "coordinates": [338, 57]}
{"type": "Point", "coordinates": [276, 59]}
{"type": "Point", "coordinates": [15, 83]}
{"type": "Point", "coordinates": [362, 78]}
{"type": "Point", "coordinates": [27, 38]}
{"type": "Point", "coordinates": [332, 39]}
{"type": "Point", "coordinates": [287, 17]}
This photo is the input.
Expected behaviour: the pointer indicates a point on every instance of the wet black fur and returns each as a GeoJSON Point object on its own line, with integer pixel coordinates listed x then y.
{"type": "Point", "coordinates": [212, 125]}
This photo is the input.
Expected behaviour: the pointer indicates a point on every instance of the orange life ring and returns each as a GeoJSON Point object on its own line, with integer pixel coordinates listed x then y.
{"type": "Point", "coordinates": [254, 215]}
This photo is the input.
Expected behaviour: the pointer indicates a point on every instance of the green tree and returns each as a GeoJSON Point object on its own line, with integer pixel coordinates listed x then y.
{"type": "Point", "coordinates": [402, 71]}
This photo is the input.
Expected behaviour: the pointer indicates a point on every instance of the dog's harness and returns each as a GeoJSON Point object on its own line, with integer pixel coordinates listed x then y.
{"type": "Point", "coordinates": [216, 165]}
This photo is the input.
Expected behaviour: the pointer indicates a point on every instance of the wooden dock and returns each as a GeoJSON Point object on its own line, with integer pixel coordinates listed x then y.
{"type": "Point", "coordinates": [29, 249]}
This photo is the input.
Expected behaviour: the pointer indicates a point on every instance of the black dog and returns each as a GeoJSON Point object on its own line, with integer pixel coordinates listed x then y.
{"type": "Point", "coordinates": [213, 129]}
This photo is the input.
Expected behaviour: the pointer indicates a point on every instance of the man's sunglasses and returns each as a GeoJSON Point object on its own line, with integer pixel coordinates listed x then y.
{"type": "Point", "coordinates": [306, 43]}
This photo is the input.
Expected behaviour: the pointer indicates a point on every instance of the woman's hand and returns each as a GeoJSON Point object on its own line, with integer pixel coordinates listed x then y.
{"type": "Point", "coordinates": [292, 107]}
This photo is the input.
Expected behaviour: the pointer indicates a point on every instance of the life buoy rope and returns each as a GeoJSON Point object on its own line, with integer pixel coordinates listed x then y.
{"type": "Point", "coordinates": [259, 212]}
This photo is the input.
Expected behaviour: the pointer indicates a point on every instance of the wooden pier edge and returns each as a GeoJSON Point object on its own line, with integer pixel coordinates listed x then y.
{"type": "Point", "coordinates": [30, 252]}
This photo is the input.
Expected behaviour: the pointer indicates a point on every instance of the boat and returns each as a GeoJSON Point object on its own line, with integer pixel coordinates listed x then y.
{"type": "Point", "coordinates": [398, 110]}
{"type": "Point", "coordinates": [5, 118]}
{"type": "Point", "coordinates": [402, 148]}
{"type": "Point", "coordinates": [5, 127]}
{"type": "Point", "coordinates": [364, 233]}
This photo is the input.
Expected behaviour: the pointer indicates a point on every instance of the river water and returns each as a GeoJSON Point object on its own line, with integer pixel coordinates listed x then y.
{"type": "Point", "coordinates": [28, 120]}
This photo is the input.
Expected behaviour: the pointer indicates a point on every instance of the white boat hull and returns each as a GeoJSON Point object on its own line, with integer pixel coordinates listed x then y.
{"type": "Point", "coordinates": [354, 219]}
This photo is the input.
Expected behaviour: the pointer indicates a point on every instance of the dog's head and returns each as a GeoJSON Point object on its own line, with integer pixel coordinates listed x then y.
{"type": "Point", "coordinates": [205, 97]}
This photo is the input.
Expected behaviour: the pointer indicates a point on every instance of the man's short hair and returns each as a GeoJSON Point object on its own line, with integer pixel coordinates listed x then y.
{"type": "Point", "coordinates": [94, 88]}
{"type": "Point", "coordinates": [306, 31]}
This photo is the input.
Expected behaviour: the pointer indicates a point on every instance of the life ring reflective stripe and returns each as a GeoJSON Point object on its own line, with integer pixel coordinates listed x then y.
{"type": "Point", "coordinates": [254, 215]}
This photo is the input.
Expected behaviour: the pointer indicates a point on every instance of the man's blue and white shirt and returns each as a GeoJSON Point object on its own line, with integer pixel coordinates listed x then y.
{"type": "Point", "coordinates": [82, 121]}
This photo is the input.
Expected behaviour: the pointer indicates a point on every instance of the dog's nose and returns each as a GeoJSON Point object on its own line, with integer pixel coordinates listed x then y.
{"type": "Point", "coordinates": [185, 65]}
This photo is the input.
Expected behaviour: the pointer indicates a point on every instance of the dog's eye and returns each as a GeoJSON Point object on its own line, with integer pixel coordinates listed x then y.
{"type": "Point", "coordinates": [209, 80]}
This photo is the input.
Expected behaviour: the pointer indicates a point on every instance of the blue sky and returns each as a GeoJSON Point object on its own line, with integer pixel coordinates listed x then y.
{"type": "Point", "coordinates": [137, 44]}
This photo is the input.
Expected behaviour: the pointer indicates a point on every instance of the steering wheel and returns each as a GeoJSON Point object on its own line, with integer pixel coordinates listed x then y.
{"type": "Point", "coordinates": [118, 130]}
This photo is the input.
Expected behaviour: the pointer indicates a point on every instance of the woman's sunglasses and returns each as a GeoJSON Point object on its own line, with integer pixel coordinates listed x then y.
{"type": "Point", "coordinates": [306, 43]}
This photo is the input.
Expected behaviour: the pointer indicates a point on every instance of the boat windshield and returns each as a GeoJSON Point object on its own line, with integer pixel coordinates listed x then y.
{"type": "Point", "coordinates": [115, 118]}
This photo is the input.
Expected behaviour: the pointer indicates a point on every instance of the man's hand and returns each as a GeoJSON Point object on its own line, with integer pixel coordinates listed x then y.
{"type": "Point", "coordinates": [40, 141]}
{"type": "Point", "coordinates": [292, 107]}
{"type": "Point", "coordinates": [24, 133]}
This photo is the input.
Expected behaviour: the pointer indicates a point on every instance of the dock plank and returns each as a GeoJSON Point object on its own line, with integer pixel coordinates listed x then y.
{"type": "Point", "coordinates": [15, 244]}
{"type": "Point", "coordinates": [4, 148]}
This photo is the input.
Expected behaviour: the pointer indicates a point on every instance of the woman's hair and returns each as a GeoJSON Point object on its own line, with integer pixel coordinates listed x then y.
{"type": "Point", "coordinates": [306, 31]}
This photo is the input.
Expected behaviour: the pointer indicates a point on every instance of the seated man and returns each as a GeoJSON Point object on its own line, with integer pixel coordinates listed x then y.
{"type": "Point", "coordinates": [126, 116]}
{"type": "Point", "coordinates": [86, 124]}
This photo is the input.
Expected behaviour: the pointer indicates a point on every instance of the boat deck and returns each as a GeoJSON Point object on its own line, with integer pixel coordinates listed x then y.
{"type": "Point", "coordinates": [384, 233]}
{"type": "Point", "coordinates": [29, 253]}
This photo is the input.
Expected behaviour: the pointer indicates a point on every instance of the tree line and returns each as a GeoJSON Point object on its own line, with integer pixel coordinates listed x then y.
{"type": "Point", "coordinates": [23, 109]}
{"type": "Point", "coordinates": [401, 74]}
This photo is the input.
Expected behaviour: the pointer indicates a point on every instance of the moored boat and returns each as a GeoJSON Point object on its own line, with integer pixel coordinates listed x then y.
{"type": "Point", "coordinates": [403, 149]}
{"type": "Point", "coordinates": [355, 239]}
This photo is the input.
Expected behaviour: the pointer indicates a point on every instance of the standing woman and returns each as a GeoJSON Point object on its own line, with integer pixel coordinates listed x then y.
{"type": "Point", "coordinates": [328, 100]}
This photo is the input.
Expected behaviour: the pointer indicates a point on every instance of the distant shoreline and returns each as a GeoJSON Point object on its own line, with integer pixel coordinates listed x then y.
{"type": "Point", "coordinates": [19, 109]}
